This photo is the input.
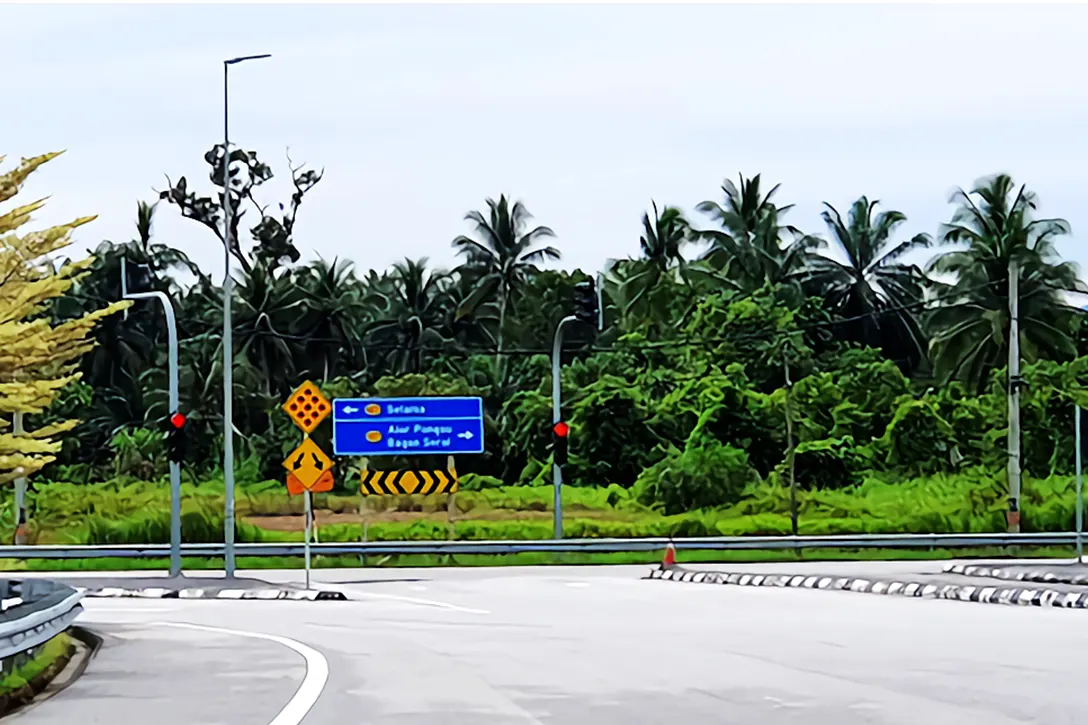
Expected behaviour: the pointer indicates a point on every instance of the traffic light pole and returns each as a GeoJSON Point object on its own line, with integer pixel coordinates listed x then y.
{"type": "Point", "coordinates": [172, 359]}
{"type": "Point", "coordinates": [557, 404]}
{"type": "Point", "coordinates": [1080, 486]}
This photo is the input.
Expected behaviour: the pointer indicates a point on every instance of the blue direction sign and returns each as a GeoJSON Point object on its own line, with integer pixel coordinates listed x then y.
{"type": "Point", "coordinates": [407, 426]}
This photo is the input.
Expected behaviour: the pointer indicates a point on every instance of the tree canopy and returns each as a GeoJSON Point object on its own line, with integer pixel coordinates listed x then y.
{"type": "Point", "coordinates": [894, 367]}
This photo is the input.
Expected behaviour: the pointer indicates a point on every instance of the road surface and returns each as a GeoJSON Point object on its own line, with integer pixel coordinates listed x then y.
{"type": "Point", "coordinates": [574, 646]}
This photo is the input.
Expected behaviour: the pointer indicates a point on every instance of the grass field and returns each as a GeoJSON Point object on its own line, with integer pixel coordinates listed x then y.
{"type": "Point", "coordinates": [132, 512]}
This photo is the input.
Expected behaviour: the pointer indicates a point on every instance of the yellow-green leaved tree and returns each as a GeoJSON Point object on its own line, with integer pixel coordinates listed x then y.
{"type": "Point", "coordinates": [37, 358]}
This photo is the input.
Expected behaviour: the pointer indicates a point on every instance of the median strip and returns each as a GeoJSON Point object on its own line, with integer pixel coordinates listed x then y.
{"type": "Point", "coordinates": [1040, 575]}
{"type": "Point", "coordinates": [297, 595]}
{"type": "Point", "coordinates": [1020, 596]}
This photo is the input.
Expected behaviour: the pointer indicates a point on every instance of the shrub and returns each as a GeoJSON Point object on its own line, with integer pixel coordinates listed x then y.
{"type": "Point", "coordinates": [827, 463]}
{"type": "Point", "coordinates": [706, 475]}
{"type": "Point", "coordinates": [477, 482]}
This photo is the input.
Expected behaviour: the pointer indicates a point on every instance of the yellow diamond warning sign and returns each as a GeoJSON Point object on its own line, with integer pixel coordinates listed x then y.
{"type": "Point", "coordinates": [307, 463]}
{"type": "Point", "coordinates": [307, 407]}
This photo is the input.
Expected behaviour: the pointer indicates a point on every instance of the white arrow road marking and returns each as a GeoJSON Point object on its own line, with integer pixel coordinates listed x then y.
{"type": "Point", "coordinates": [317, 671]}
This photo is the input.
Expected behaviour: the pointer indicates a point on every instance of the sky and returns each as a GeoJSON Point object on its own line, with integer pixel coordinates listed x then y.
{"type": "Point", "coordinates": [585, 113]}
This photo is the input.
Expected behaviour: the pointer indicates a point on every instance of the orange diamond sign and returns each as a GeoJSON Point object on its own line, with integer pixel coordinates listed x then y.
{"type": "Point", "coordinates": [307, 407]}
{"type": "Point", "coordinates": [308, 463]}
{"type": "Point", "coordinates": [322, 485]}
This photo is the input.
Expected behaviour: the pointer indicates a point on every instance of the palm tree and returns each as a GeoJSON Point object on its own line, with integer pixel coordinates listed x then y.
{"type": "Point", "coordinates": [661, 242]}
{"type": "Point", "coordinates": [750, 245]}
{"type": "Point", "coordinates": [503, 257]}
{"type": "Point", "coordinates": [416, 306]}
{"type": "Point", "coordinates": [873, 282]}
{"type": "Point", "coordinates": [664, 237]}
{"type": "Point", "coordinates": [337, 310]}
{"type": "Point", "coordinates": [268, 304]}
{"type": "Point", "coordinates": [161, 258]}
{"type": "Point", "coordinates": [971, 322]}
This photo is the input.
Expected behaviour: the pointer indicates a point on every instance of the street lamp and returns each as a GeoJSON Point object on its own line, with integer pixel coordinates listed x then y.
{"type": "Point", "coordinates": [228, 341]}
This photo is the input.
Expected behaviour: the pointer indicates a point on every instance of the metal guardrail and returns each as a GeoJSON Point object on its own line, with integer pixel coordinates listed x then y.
{"type": "Point", "coordinates": [33, 612]}
{"type": "Point", "coordinates": [706, 543]}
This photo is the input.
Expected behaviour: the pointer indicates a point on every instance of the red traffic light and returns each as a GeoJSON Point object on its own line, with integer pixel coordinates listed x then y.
{"type": "Point", "coordinates": [561, 429]}
{"type": "Point", "coordinates": [177, 420]}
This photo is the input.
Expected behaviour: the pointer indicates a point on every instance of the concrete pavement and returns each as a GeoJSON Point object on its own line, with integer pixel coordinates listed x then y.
{"type": "Point", "coordinates": [580, 646]}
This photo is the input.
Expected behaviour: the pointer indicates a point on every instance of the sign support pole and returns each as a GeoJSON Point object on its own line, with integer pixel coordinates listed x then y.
{"type": "Point", "coordinates": [309, 524]}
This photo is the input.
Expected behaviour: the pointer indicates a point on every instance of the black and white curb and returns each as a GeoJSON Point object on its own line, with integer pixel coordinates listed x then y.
{"type": "Point", "coordinates": [1042, 576]}
{"type": "Point", "coordinates": [298, 595]}
{"type": "Point", "coordinates": [986, 595]}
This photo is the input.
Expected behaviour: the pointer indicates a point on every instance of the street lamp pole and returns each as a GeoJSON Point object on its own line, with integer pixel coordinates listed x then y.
{"type": "Point", "coordinates": [228, 341]}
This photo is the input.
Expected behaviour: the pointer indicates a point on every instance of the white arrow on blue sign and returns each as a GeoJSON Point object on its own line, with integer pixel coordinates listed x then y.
{"type": "Point", "coordinates": [407, 426]}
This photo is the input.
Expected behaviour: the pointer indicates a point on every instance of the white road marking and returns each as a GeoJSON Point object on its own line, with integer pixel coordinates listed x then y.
{"type": "Point", "coordinates": [317, 671]}
{"type": "Point", "coordinates": [424, 602]}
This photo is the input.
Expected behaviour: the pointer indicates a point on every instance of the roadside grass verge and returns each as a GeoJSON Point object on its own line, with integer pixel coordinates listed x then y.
{"type": "Point", "coordinates": [123, 511]}
{"type": "Point", "coordinates": [26, 680]}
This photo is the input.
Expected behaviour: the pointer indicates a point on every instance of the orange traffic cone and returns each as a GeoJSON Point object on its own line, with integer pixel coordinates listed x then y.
{"type": "Point", "coordinates": [670, 556]}
{"type": "Point", "coordinates": [22, 530]}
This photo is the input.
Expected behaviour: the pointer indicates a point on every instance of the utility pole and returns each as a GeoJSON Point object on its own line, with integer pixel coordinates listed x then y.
{"type": "Point", "coordinates": [228, 341]}
{"type": "Point", "coordinates": [790, 450]}
{"type": "Point", "coordinates": [172, 363]}
{"type": "Point", "coordinates": [1013, 515]}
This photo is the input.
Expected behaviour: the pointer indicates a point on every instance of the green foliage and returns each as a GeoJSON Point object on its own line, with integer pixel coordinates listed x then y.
{"type": "Point", "coordinates": [682, 397]}
{"type": "Point", "coordinates": [138, 452]}
{"type": "Point", "coordinates": [705, 474]}
{"type": "Point", "coordinates": [827, 463]}
{"type": "Point", "coordinates": [916, 439]}
{"type": "Point", "coordinates": [476, 482]}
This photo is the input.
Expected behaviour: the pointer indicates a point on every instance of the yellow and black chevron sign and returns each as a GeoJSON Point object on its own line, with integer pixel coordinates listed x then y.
{"type": "Point", "coordinates": [400, 483]}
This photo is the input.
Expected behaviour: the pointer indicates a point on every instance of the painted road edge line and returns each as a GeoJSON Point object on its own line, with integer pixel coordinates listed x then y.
{"type": "Point", "coordinates": [313, 683]}
{"type": "Point", "coordinates": [297, 595]}
{"type": "Point", "coordinates": [1017, 596]}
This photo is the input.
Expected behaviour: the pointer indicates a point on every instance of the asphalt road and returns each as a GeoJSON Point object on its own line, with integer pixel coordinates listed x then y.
{"type": "Point", "coordinates": [575, 646]}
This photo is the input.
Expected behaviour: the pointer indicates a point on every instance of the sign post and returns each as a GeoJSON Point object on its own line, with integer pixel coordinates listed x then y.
{"type": "Point", "coordinates": [309, 469]}
{"type": "Point", "coordinates": [309, 519]}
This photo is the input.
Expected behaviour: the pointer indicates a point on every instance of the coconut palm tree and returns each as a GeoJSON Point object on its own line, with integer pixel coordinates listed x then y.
{"type": "Point", "coordinates": [502, 258]}
{"type": "Point", "coordinates": [267, 306]}
{"type": "Point", "coordinates": [337, 310]}
{"type": "Point", "coordinates": [661, 244]}
{"type": "Point", "coordinates": [415, 307]}
{"type": "Point", "coordinates": [970, 325]}
{"type": "Point", "coordinates": [751, 244]}
{"type": "Point", "coordinates": [873, 284]}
